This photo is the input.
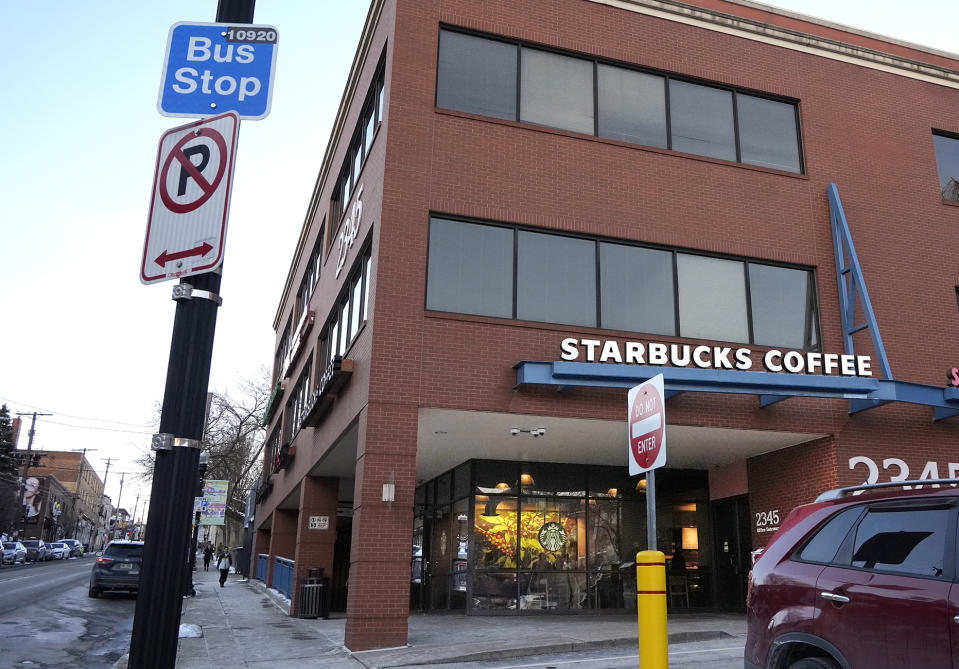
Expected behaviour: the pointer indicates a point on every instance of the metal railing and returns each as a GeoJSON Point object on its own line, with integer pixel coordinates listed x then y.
{"type": "Point", "coordinates": [262, 562]}
{"type": "Point", "coordinates": [283, 576]}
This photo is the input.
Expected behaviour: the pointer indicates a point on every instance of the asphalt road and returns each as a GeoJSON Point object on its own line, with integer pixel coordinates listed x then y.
{"type": "Point", "coordinates": [47, 620]}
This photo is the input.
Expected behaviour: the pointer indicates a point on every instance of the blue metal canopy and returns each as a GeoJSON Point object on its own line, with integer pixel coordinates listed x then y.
{"type": "Point", "coordinates": [862, 392]}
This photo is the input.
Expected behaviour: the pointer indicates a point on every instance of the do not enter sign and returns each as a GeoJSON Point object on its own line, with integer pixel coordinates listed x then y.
{"type": "Point", "coordinates": [647, 426]}
{"type": "Point", "coordinates": [191, 199]}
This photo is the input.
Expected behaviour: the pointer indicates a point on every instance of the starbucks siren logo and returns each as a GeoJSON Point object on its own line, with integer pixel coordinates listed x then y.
{"type": "Point", "coordinates": [552, 537]}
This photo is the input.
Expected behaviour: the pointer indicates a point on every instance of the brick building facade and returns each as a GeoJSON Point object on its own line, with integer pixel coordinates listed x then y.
{"type": "Point", "coordinates": [527, 208]}
{"type": "Point", "coordinates": [85, 486]}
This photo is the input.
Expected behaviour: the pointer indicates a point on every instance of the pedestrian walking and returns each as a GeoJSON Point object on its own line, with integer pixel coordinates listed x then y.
{"type": "Point", "coordinates": [223, 563]}
{"type": "Point", "coordinates": [207, 556]}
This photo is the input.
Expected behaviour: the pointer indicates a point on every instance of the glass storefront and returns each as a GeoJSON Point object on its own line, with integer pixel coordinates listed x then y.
{"type": "Point", "coordinates": [497, 537]}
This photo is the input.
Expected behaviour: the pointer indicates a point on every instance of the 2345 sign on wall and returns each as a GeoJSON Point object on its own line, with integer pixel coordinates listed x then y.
{"type": "Point", "coordinates": [899, 471]}
{"type": "Point", "coordinates": [767, 521]}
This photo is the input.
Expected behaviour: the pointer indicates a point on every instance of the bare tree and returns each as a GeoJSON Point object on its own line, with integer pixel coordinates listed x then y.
{"type": "Point", "coordinates": [234, 437]}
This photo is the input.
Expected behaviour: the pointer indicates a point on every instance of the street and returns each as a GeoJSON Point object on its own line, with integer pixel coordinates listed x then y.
{"type": "Point", "coordinates": [47, 620]}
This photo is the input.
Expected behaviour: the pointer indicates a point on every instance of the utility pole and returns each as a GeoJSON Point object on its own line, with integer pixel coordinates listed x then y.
{"type": "Point", "coordinates": [116, 509]}
{"type": "Point", "coordinates": [26, 463]}
{"type": "Point", "coordinates": [156, 620]}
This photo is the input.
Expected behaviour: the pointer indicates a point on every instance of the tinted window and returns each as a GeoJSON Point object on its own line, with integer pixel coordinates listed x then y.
{"type": "Point", "coordinates": [712, 298]}
{"type": "Point", "coordinates": [767, 133]}
{"type": "Point", "coordinates": [470, 269]}
{"type": "Point", "coordinates": [947, 160]}
{"type": "Point", "coordinates": [908, 541]}
{"type": "Point", "coordinates": [823, 546]}
{"type": "Point", "coordinates": [629, 303]}
{"type": "Point", "coordinates": [632, 106]}
{"type": "Point", "coordinates": [31, 544]}
{"type": "Point", "coordinates": [124, 551]}
{"type": "Point", "coordinates": [557, 91]}
{"type": "Point", "coordinates": [701, 119]}
{"type": "Point", "coordinates": [778, 296]}
{"type": "Point", "coordinates": [476, 75]}
{"type": "Point", "coordinates": [555, 279]}
{"type": "Point", "coordinates": [7, 544]}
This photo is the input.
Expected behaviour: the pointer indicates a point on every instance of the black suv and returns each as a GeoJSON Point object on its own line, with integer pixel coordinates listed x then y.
{"type": "Point", "coordinates": [117, 568]}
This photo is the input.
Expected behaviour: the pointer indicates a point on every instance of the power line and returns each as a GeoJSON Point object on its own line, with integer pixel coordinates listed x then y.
{"type": "Point", "coordinates": [60, 413]}
{"type": "Point", "coordinates": [101, 429]}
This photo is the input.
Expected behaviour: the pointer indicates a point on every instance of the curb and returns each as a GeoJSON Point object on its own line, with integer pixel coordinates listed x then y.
{"type": "Point", "coordinates": [280, 602]}
{"type": "Point", "coordinates": [545, 649]}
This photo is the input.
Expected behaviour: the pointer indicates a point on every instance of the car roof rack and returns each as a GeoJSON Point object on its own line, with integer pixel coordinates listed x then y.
{"type": "Point", "coordinates": [839, 493]}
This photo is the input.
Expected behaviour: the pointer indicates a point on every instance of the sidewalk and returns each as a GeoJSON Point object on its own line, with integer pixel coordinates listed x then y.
{"type": "Point", "coordinates": [243, 625]}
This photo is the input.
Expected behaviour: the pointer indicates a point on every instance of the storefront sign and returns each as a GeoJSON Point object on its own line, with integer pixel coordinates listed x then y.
{"type": "Point", "coordinates": [954, 377]}
{"type": "Point", "coordinates": [552, 537]}
{"type": "Point", "coordinates": [898, 470]}
{"type": "Point", "coordinates": [713, 357]}
{"type": "Point", "coordinates": [767, 521]}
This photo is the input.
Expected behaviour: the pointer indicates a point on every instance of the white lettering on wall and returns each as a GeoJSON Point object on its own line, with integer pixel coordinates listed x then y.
{"type": "Point", "coordinates": [898, 470]}
{"type": "Point", "coordinates": [348, 231]}
{"type": "Point", "coordinates": [713, 357]}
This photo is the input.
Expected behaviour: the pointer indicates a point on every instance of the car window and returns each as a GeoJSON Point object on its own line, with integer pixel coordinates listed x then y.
{"type": "Point", "coordinates": [8, 544]}
{"type": "Point", "coordinates": [907, 541]}
{"type": "Point", "coordinates": [31, 544]}
{"type": "Point", "coordinates": [124, 551]}
{"type": "Point", "coordinates": [823, 546]}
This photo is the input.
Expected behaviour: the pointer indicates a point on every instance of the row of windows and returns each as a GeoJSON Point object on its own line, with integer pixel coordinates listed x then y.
{"type": "Point", "coordinates": [359, 149]}
{"type": "Point", "coordinates": [311, 276]}
{"type": "Point", "coordinates": [507, 272]}
{"type": "Point", "coordinates": [512, 81]}
{"type": "Point", "coordinates": [296, 406]}
{"type": "Point", "coordinates": [349, 313]}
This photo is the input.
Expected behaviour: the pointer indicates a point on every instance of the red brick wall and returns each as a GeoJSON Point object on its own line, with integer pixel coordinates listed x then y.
{"type": "Point", "coordinates": [314, 547]}
{"type": "Point", "coordinates": [282, 539]}
{"type": "Point", "coordinates": [867, 131]}
{"type": "Point", "coordinates": [782, 480]}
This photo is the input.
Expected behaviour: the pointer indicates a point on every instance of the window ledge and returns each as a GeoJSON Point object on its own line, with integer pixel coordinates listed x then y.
{"type": "Point", "coordinates": [612, 142]}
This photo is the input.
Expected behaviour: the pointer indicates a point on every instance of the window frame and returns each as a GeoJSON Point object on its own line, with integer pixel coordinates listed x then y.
{"type": "Point", "coordinates": [667, 76]}
{"type": "Point", "coordinates": [813, 310]}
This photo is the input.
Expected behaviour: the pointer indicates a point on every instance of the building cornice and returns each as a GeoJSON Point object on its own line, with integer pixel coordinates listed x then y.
{"type": "Point", "coordinates": [356, 69]}
{"type": "Point", "coordinates": [795, 40]}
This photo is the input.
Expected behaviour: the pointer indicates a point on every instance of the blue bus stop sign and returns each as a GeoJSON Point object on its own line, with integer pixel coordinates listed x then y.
{"type": "Point", "coordinates": [212, 68]}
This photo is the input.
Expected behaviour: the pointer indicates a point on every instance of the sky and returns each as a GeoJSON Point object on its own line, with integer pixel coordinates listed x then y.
{"type": "Point", "coordinates": [83, 339]}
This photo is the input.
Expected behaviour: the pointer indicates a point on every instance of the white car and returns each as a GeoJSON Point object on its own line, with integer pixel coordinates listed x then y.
{"type": "Point", "coordinates": [58, 551]}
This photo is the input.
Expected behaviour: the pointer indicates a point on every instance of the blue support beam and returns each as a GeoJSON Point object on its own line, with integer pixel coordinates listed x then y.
{"type": "Point", "coordinates": [862, 392]}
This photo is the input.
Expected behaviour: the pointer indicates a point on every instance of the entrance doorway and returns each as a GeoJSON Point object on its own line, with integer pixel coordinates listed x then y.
{"type": "Point", "coordinates": [341, 564]}
{"type": "Point", "coordinates": [732, 543]}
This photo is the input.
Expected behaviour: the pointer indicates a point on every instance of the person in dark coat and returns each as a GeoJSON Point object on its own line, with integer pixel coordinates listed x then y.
{"type": "Point", "coordinates": [207, 556]}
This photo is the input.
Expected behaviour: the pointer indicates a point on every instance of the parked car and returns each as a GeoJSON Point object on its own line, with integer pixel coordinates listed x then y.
{"type": "Point", "coordinates": [117, 568]}
{"type": "Point", "coordinates": [36, 550]}
{"type": "Point", "coordinates": [859, 580]}
{"type": "Point", "coordinates": [76, 548]}
{"type": "Point", "coordinates": [58, 551]}
{"type": "Point", "coordinates": [14, 552]}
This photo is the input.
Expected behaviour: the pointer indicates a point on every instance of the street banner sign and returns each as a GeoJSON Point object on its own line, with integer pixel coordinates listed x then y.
{"type": "Point", "coordinates": [647, 426]}
{"type": "Point", "coordinates": [190, 202]}
{"type": "Point", "coordinates": [211, 68]}
{"type": "Point", "coordinates": [214, 513]}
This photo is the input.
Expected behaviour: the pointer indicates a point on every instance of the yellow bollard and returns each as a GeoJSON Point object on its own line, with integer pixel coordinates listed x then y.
{"type": "Point", "coordinates": [651, 609]}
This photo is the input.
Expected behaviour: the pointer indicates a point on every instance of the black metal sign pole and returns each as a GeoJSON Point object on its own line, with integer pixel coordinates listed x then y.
{"type": "Point", "coordinates": [156, 622]}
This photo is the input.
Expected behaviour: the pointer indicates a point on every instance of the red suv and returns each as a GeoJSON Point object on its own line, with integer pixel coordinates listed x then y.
{"type": "Point", "coordinates": [863, 578]}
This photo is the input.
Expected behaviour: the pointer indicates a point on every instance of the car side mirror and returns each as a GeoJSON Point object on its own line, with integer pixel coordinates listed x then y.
{"type": "Point", "coordinates": [99, 553]}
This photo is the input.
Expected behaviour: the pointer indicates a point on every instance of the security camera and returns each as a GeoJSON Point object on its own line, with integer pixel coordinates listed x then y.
{"type": "Point", "coordinates": [514, 431]}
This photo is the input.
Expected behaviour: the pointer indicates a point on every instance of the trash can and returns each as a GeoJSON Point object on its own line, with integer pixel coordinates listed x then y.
{"type": "Point", "coordinates": [314, 595]}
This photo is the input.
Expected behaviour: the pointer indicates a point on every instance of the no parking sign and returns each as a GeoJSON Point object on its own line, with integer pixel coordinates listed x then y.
{"type": "Point", "coordinates": [190, 204]}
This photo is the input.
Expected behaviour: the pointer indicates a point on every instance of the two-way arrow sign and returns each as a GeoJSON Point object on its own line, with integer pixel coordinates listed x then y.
{"type": "Point", "coordinates": [190, 204]}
